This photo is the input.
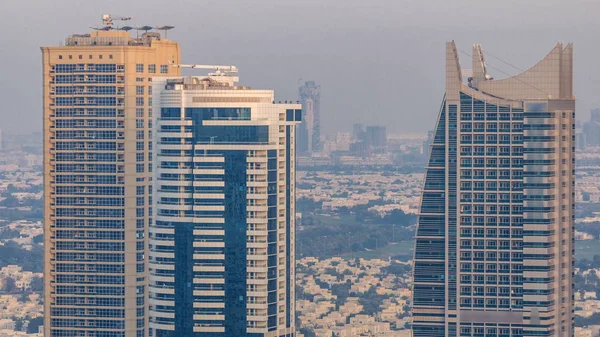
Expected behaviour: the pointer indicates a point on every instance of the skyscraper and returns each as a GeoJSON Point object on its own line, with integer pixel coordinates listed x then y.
{"type": "Point", "coordinates": [222, 249]}
{"type": "Point", "coordinates": [494, 244]}
{"type": "Point", "coordinates": [97, 114]}
{"type": "Point", "coordinates": [591, 129]}
{"type": "Point", "coordinates": [358, 132]}
{"type": "Point", "coordinates": [309, 131]}
{"type": "Point", "coordinates": [427, 144]}
{"type": "Point", "coordinates": [376, 137]}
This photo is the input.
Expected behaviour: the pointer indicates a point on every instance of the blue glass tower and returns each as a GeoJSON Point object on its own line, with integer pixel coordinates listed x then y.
{"type": "Point", "coordinates": [222, 241]}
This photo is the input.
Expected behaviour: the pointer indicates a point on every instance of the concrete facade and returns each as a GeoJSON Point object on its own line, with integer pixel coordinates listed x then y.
{"type": "Point", "coordinates": [97, 108]}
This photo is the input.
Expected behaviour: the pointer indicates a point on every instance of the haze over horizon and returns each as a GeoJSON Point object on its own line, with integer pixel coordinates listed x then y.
{"type": "Point", "coordinates": [378, 62]}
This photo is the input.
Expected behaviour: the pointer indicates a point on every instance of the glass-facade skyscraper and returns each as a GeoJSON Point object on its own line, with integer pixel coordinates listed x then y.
{"type": "Point", "coordinates": [222, 241]}
{"type": "Point", "coordinates": [309, 132]}
{"type": "Point", "coordinates": [494, 243]}
{"type": "Point", "coordinates": [97, 111]}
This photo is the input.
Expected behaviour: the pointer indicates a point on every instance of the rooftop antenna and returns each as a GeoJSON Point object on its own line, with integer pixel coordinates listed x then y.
{"type": "Point", "coordinates": [107, 20]}
{"type": "Point", "coordinates": [144, 28]}
{"type": "Point", "coordinates": [219, 70]}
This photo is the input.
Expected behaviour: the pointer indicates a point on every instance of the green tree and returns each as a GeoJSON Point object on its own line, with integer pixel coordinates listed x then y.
{"type": "Point", "coordinates": [371, 301]}
{"type": "Point", "coordinates": [24, 298]}
{"type": "Point", "coordinates": [37, 284]}
{"type": "Point", "coordinates": [18, 324]}
{"type": "Point", "coordinates": [8, 284]}
{"type": "Point", "coordinates": [10, 201]}
{"type": "Point", "coordinates": [34, 325]}
{"type": "Point", "coordinates": [38, 239]}
{"type": "Point", "coordinates": [307, 332]}
{"type": "Point", "coordinates": [396, 269]}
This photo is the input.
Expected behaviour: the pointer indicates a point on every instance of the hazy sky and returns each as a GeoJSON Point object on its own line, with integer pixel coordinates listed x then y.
{"type": "Point", "coordinates": [378, 61]}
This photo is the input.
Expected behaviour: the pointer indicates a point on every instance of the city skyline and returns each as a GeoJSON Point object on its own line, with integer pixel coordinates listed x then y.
{"type": "Point", "coordinates": [164, 197]}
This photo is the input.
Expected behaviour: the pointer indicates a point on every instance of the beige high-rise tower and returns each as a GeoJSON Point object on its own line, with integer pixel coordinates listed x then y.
{"type": "Point", "coordinates": [495, 237]}
{"type": "Point", "coordinates": [97, 110]}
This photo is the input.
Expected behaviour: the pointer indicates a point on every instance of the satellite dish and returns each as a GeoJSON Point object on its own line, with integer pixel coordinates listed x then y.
{"type": "Point", "coordinates": [106, 28]}
{"type": "Point", "coordinates": [144, 28]}
{"type": "Point", "coordinates": [126, 28]}
{"type": "Point", "coordinates": [165, 29]}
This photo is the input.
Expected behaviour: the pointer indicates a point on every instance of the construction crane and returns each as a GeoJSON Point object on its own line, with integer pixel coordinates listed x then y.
{"type": "Point", "coordinates": [219, 70]}
{"type": "Point", "coordinates": [107, 20]}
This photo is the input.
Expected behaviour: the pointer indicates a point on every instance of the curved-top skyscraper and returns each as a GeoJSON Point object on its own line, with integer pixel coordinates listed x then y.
{"type": "Point", "coordinates": [494, 244]}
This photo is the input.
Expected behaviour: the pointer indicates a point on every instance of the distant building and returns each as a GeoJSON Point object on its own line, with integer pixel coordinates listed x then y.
{"type": "Point", "coordinates": [580, 139]}
{"type": "Point", "coordinates": [341, 142]}
{"type": "Point", "coordinates": [427, 144]}
{"type": "Point", "coordinates": [309, 131]}
{"type": "Point", "coordinates": [359, 149]}
{"type": "Point", "coordinates": [376, 138]}
{"type": "Point", "coordinates": [358, 132]}
{"type": "Point", "coordinates": [591, 129]}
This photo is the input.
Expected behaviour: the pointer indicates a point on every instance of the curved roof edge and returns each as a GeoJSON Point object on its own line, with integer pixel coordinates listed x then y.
{"type": "Point", "coordinates": [550, 78]}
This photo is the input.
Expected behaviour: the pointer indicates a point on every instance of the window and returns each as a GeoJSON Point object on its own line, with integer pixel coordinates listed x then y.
{"type": "Point", "coordinates": [60, 57]}
{"type": "Point", "coordinates": [110, 56]}
{"type": "Point", "coordinates": [81, 57]}
{"type": "Point", "coordinates": [100, 57]}
{"type": "Point", "coordinates": [152, 68]}
{"type": "Point", "coordinates": [139, 79]}
{"type": "Point", "coordinates": [139, 90]}
{"type": "Point", "coordinates": [139, 101]}
{"type": "Point", "coordinates": [139, 112]}
{"type": "Point", "coordinates": [139, 68]}
{"type": "Point", "coordinates": [164, 69]}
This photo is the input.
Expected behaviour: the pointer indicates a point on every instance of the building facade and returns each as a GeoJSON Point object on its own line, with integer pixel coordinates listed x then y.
{"type": "Point", "coordinates": [97, 110]}
{"type": "Point", "coordinates": [591, 129]}
{"type": "Point", "coordinates": [222, 249]}
{"type": "Point", "coordinates": [309, 131]}
{"type": "Point", "coordinates": [494, 244]}
{"type": "Point", "coordinates": [376, 137]}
